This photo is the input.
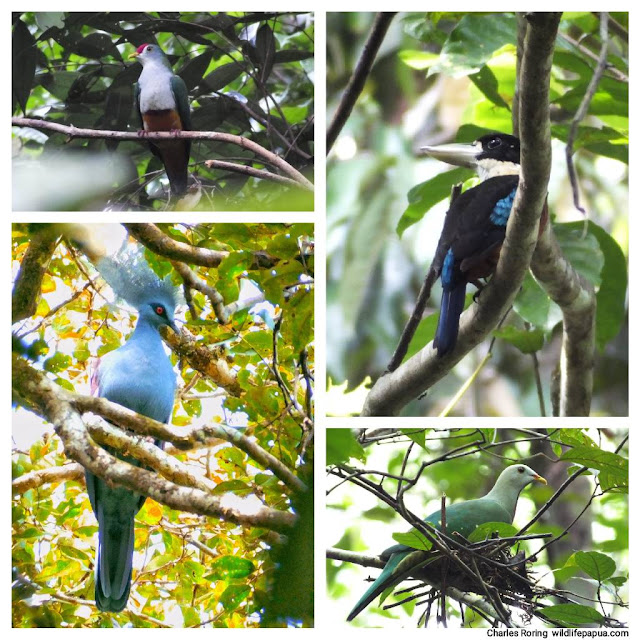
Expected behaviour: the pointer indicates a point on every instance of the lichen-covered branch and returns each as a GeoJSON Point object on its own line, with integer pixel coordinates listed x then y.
{"type": "Point", "coordinates": [27, 286]}
{"type": "Point", "coordinates": [160, 243]}
{"type": "Point", "coordinates": [61, 408]}
{"type": "Point", "coordinates": [210, 361]}
{"type": "Point", "coordinates": [35, 479]}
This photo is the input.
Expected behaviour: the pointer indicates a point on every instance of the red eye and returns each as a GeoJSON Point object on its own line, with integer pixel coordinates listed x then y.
{"type": "Point", "coordinates": [159, 310]}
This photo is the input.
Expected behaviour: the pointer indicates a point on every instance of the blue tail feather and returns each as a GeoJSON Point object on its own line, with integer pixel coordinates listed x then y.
{"type": "Point", "coordinates": [451, 307]}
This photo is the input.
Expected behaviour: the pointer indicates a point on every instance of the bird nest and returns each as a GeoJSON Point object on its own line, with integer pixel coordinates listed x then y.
{"type": "Point", "coordinates": [476, 569]}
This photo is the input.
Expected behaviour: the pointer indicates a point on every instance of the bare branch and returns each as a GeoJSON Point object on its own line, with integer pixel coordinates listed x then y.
{"type": "Point", "coordinates": [359, 77]}
{"type": "Point", "coordinates": [245, 143]}
{"type": "Point", "coordinates": [255, 173]}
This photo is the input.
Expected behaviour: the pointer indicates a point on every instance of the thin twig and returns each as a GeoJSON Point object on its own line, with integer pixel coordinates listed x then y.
{"type": "Point", "coordinates": [584, 106]}
{"type": "Point", "coordinates": [359, 77]}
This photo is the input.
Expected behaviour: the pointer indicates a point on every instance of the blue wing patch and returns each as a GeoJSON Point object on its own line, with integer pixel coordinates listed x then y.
{"type": "Point", "coordinates": [502, 209]}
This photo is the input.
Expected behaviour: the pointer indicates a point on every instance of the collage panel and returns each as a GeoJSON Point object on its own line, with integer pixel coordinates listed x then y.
{"type": "Point", "coordinates": [527, 529]}
{"type": "Point", "coordinates": [473, 240]}
{"type": "Point", "coordinates": [149, 111]}
{"type": "Point", "coordinates": [435, 120]}
{"type": "Point", "coordinates": [174, 361]}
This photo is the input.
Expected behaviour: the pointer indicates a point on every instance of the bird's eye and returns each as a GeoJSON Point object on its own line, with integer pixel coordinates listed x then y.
{"type": "Point", "coordinates": [494, 143]}
{"type": "Point", "coordinates": [150, 48]}
{"type": "Point", "coordinates": [159, 309]}
{"type": "Point", "coordinates": [520, 469]}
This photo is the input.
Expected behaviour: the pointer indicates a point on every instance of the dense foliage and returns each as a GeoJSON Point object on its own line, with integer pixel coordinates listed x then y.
{"type": "Point", "coordinates": [249, 74]}
{"type": "Point", "coordinates": [189, 570]}
{"type": "Point", "coordinates": [441, 77]}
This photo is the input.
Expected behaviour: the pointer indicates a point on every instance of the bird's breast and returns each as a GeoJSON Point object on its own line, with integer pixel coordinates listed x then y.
{"type": "Point", "coordinates": [141, 380]}
{"type": "Point", "coordinates": [155, 90]}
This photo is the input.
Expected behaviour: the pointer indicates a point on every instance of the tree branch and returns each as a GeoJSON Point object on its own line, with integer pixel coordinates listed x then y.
{"type": "Point", "coordinates": [223, 312]}
{"type": "Point", "coordinates": [245, 143]}
{"type": "Point", "coordinates": [27, 286]}
{"type": "Point", "coordinates": [577, 301]}
{"type": "Point", "coordinates": [34, 479]}
{"type": "Point", "coordinates": [211, 361]}
{"type": "Point", "coordinates": [38, 394]}
{"type": "Point", "coordinates": [155, 240]}
{"type": "Point", "coordinates": [359, 77]}
{"type": "Point", "coordinates": [253, 172]}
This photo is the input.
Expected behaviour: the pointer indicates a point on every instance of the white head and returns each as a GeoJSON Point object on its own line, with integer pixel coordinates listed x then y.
{"type": "Point", "coordinates": [514, 479]}
{"type": "Point", "coordinates": [150, 53]}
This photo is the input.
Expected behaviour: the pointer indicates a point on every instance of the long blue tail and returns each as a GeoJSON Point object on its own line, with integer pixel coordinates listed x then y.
{"type": "Point", "coordinates": [114, 562]}
{"type": "Point", "coordinates": [451, 307]}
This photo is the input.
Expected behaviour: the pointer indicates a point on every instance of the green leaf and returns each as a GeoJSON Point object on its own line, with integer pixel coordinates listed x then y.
{"type": "Point", "coordinates": [487, 82]}
{"type": "Point", "coordinates": [613, 468]}
{"type": "Point", "coordinates": [417, 435]}
{"type": "Point", "coordinates": [413, 539]}
{"type": "Point", "coordinates": [419, 60]}
{"type": "Point", "coordinates": [230, 568]}
{"type": "Point", "coordinates": [611, 98]}
{"type": "Point", "coordinates": [527, 341]}
{"type": "Point", "coordinates": [582, 250]}
{"type": "Point", "coordinates": [572, 614]}
{"type": "Point", "coordinates": [237, 487]}
{"type": "Point", "coordinates": [297, 324]}
{"type": "Point", "coordinates": [426, 194]}
{"type": "Point", "coordinates": [597, 565]}
{"type": "Point", "coordinates": [618, 581]}
{"type": "Point", "coordinates": [611, 296]}
{"type": "Point", "coordinates": [233, 596]}
{"type": "Point", "coordinates": [57, 362]}
{"type": "Point", "coordinates": [222, 76]}
{"type": "Point", "coordinates": [474, 40]}
{"type": "Point", "coordinates": [342, 446]}
{"type": "Point", "coordinates": [486, 530]}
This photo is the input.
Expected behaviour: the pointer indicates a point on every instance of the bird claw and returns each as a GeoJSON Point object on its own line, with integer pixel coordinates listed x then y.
{"type": "Point", "coordinates": [480, 287]}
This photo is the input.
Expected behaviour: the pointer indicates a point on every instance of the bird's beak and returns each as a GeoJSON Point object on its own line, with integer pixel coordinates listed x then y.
{"type": "Point", "coordinates": [461, 155]}
{"type": "Point", "coordinates": [539, 479]}
{"type": "Point", "coordinates": [135, 54]}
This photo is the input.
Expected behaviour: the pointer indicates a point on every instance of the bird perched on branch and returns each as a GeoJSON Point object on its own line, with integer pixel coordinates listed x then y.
{"type": "Point", "coordinates": [162, 102]}
{"type": "Point", "coordinates": [475, 225]}
{"type": "Point", "coordinates": [139, 376]}
{"type": "Point", "coordinates": [499, 505]}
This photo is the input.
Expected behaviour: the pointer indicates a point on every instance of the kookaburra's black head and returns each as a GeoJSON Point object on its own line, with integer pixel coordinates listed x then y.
{"type": "Point", "coordinates": [491, 155]}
